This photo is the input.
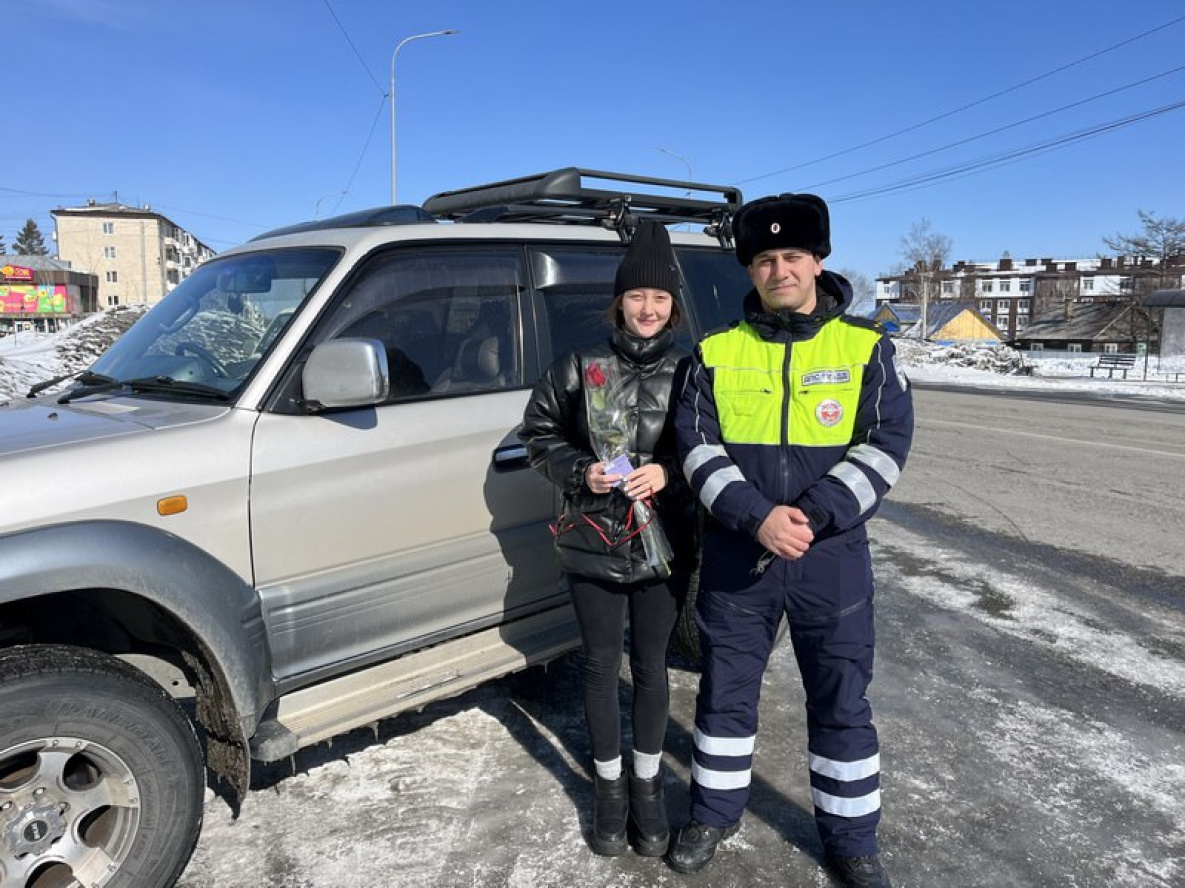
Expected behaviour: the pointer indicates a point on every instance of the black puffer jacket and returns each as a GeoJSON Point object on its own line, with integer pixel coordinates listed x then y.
{"type": "Point", "coordinates": [555, 431]}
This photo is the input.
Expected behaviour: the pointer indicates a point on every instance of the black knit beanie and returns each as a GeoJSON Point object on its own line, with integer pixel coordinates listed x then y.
{"type": "Point", "coordinates": [649, 261]}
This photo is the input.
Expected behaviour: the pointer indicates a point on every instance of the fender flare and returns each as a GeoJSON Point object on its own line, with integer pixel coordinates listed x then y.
{"type": "Point", "coordinates": [202, 593]}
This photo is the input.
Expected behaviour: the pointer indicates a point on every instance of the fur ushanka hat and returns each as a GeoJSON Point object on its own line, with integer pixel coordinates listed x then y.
{"type": "Point", "coordinates": [785, 221]}
{"type": "Point", "coordinates": [649, 261]}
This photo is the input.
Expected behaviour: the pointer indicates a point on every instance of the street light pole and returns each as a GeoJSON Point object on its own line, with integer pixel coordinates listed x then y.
{"type": "Point", "coordinates": [686, 163]}
{"type": "Point", "coordinates": [395, 53]}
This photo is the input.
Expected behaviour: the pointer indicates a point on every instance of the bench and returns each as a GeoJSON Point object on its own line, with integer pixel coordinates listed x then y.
{"type": "Point", "coordinates": [1111, 363]}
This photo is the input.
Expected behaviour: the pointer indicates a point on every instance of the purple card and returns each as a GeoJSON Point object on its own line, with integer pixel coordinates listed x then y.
{"type": "Point", "coordinates": [620, 466]}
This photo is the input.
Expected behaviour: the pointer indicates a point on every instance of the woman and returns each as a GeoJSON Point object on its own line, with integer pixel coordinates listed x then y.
{"type": "Point", "coordinates": [599, 536]}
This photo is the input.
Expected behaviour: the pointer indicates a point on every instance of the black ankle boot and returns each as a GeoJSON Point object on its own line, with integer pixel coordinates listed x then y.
{"type": "Point", "coordinates": [859, 872]}
{"type": "Point", "coordinates": [648, 816]}
{"type": "Point", "coordinates": [610, 813]}
{"type": "Point", "coordinates": [695, 845]}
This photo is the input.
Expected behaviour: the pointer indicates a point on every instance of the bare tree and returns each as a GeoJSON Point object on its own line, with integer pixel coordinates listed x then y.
{"type": "Point", "coordinates": [1162, 242]}
{"type": "Point", "coordinates": [863, 292]}
{"type": "Point", "coordinates": [925, 252]}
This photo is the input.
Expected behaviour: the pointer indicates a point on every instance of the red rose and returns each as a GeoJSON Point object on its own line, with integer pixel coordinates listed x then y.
{"type": "Point", "coordinates": [594, 376]}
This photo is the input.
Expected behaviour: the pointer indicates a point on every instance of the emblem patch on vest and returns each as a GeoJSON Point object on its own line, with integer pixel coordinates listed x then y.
{"type": "Point", "coordinates": [829, 412]}
{"type": "Point", "coordinates": [821, 377]}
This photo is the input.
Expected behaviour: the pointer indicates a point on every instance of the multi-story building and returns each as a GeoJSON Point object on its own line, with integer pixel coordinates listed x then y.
{"type": "Point", "coordinates": [1012, 293]}
{"type": "Point", "coordinates": [138, 255]}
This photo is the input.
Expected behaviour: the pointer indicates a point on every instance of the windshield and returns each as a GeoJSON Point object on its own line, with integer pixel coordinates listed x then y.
{"type": "Point", "coordinates": [211, 332]}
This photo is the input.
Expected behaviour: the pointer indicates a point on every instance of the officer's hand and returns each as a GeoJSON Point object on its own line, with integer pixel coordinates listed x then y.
{"type": "Point", "coordinates": [786, 532]}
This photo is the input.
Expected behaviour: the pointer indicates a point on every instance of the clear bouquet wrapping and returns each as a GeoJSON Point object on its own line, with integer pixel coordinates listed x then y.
{"type": "Point", "coordinates": [611, 428]}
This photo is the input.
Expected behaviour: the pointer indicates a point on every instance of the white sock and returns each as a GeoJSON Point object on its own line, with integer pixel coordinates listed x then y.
{"type": "Point", "coordinates": [609, 770]}
{"type": "Point", "coordinates": [646, 764]}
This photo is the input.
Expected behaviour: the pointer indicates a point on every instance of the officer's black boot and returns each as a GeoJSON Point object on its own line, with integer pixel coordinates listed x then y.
{"type": "Point", "coordinates": [859, 872]}
{"type": "Point", "coordinates": [648, 816]}
{"type": "Point", "coordinates": [610, 813]}
{"type": "Point", "coordinates": [695, 846]}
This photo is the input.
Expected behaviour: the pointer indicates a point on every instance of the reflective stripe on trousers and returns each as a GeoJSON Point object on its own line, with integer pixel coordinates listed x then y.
{"type": "Point", "coordinates": [835, 660]}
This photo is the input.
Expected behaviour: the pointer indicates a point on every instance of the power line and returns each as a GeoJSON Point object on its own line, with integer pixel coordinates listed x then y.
{"type": "Point", "coordinates": [76, 196]}
{"type": "Point", "coordinates": [208, 215]}
{"type": "Point", "coordinates": [967, 106]}
{"type": "Point", "coordinates": [79, 195]}
{"type": "Point", "coordinates": [362, 153]}
{"type": "Point", "coordinates": [361, 61]}
{"type": "Point", "coordinates": [993, 132]}
{"type": "Point", "coordinates": [934, 177]}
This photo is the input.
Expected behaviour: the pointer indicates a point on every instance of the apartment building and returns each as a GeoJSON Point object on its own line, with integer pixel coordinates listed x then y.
{"type": "Point", "coordinates": [138, 255]}
{"type": "Point", "coordinates": [1011, 293]}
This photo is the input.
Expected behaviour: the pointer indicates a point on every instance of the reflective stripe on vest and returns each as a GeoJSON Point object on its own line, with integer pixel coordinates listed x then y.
{"type": "Point", "coordinates": [749, 383]}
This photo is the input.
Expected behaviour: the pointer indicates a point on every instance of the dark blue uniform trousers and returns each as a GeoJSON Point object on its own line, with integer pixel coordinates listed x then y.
{"type": "Point", "coordinates": [827, 598]}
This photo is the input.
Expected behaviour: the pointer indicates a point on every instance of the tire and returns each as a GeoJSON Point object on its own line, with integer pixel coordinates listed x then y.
{"type": "Point", "coordinates": [685, 638]}
{"type": "Point", "coordinates": [101, 773]}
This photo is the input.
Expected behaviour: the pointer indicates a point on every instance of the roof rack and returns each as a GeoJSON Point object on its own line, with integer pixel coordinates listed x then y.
{"type": "Point", "coordinates": [564, 196]}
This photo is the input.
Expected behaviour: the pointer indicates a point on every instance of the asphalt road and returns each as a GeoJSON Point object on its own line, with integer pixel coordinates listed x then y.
{"type": "Point", "coordinates": [1029, 695]}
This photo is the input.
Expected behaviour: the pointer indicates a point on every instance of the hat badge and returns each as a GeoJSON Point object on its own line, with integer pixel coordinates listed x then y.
{"type": "Point", "coordinates": [775, 228]}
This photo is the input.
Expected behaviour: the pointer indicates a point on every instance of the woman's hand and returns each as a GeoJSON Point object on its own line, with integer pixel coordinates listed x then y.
{"type": "Point", "coordinates": [645, 482]}
{"type": "Point", "coordinates": [597, 481]}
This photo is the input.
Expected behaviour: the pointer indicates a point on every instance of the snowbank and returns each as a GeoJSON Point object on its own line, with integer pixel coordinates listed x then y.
{"type": "Point", "coordinates": [28, 358]}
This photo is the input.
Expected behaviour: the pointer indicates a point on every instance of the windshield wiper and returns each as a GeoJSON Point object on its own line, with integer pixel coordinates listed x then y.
{"type": "Point", "coordinates": [86, 377]}
{"type": "Point", "coordinates": [169, 384]}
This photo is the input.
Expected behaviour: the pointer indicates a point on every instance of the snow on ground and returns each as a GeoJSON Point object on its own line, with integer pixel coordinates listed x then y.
{"type": "Point", "coordinates": [27, 358]}
{"type": "Point", "coordinates": [1023, 609]}
{"type": "Point", "coordinates": [999, 366]}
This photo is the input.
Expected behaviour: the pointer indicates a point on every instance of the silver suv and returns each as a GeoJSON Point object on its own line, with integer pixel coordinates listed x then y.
{"type": "Point", "coordinates": [290, 501]}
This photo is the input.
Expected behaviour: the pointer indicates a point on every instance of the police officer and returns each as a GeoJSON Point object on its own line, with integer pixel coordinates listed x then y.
{"type": "Point", "coordinates": [793, 425]}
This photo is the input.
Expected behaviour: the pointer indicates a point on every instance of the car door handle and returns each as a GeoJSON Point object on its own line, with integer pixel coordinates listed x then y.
{"type": "Point", "coordinates": [510, 458]}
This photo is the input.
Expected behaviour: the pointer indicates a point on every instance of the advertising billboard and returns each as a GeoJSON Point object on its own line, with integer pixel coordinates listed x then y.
{"type": "Point", "coordinates": [34, 300]}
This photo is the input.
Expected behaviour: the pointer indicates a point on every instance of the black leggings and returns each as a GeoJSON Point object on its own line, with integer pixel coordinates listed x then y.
{"type": "Point", "coordinates": [600, 610]}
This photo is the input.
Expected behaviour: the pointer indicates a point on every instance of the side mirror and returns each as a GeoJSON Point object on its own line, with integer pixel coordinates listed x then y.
{"type": "Point", "coordinates": [346, 373]}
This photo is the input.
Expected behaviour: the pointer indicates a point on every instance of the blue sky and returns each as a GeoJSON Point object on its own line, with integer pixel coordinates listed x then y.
{"type": "Point", "coordinates": [235, 116]}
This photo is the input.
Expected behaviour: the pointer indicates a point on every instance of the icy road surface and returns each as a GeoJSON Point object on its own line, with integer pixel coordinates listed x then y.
{"type": "Point", "coordinates": [1030, 695]}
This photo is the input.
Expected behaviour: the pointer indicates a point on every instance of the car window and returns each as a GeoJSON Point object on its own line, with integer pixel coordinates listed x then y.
{"type": "Point", "coordinates": [575, 288]}
{"type": "Point", "coordinates": [716, 284]}
{"type": "Point", "coordinates": [214, 329]}
{"type": "Point", "coordinates": [448, 319]}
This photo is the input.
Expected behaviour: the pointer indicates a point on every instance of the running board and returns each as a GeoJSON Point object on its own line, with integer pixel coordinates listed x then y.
{"type": "Point", "coordinates": [325, 710]}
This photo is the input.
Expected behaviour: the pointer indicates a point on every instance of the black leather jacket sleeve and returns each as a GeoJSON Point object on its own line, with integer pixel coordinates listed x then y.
{"type": "Point", "coordinates": [553, 429]}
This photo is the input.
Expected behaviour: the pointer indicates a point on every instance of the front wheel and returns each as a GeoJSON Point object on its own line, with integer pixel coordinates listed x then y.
{"type": "Point", "coordinates": [101, 775]}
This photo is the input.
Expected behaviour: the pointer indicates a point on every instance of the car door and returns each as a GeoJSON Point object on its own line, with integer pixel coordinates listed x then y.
{"type": "Point", "coordinates": [382, 529]}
